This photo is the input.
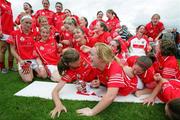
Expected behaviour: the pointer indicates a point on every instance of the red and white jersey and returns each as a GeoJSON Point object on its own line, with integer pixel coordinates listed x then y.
{"type": "Point", "coordinates": [153, 31]}
{"type": "Point", "coordinates": [58, 20]}
{"type": "Point", "coordinates": [138, 47]}
{"type": "Point", "coordinates": [6, 17]}
{"type": "Point", "coordinates": [93, 24]}
{"type": "Point", "coordinates": [79, 73]}
{"type": "Point", "coordinates": [167, 66]}
{"type": "Point", "coordinates": [170, 90]}
{"type": "Point", "coordinates": [114, 76]}
{"type": "Point", "coordinates": [47, 13]}
{"type": "Point", "coordinates": [48, 51]}
{"type": "Point", "coordinates": [24, 44]}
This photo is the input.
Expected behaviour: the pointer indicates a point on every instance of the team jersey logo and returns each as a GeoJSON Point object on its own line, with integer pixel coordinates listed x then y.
{"type": "Point", "coordinates": [22, 39]}
{"type": "Point", "coordinates": [43, 13]}
{"type": "Point", "coordinates": [52, 44]}
{"type": "Point", "coordinates": [41, 48]}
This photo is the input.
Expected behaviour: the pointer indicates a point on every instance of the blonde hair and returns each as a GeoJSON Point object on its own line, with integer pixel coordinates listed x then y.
{"type": "Point", "coordinates": [46, 27]}
{"type": "Point", "coordinates": [41, 18]}
{"type": "Point", "coordinates": [104, 52]}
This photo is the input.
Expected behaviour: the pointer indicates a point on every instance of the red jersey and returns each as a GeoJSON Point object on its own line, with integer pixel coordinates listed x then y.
{"type": "Point", "coordinates": [66, 35]}
{"type": "Point", "coordinates": [105, 37]}
{"type": "Point", "coordinates": [24, 44]}
{"type": "Point", "coordinates": [18, 20]}
{"type": "Point", "coordinates": [6, 17]}
{"type": "Point", "coordinates": [170, 90]}
{"type": "Point", "coordinates": [153, 31]}
{"type": "Point", "coordinates": [168, 67]}
{"type": "Point", "coordinates": [48, 51]}
{"type": "Point", "coordinates": [58, 20]}
{"type": "Point", "coordinates": [114, 76]}
{"type": "Point", "coordinates": [47, 13]}
{"type": "Point", "coordinates": [79, 73]}
{"type": "Point", "coordinates": [93, 24]}
{"type": "Point", "coordinates": [147, 77]}
{"type": "Point", "coordinates": [113, 24]}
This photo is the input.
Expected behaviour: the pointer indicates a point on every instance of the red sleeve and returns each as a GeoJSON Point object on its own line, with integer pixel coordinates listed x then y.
{"type": "Point", "coordinates": [0, 21]}
{"type": "Point", "coordinates": [161, 26]}
{"type": "Point", "coordinates": [116, 76]}
{"type": "Point", "coordinates": [169, 92]}
{"type": "Point", "coordinates": [69, 76]}
{"type": "Point", "coordinates": [128, 42]}
{"type": "Point", "coordinates": [17, 21]}
{"type": "Point", "coordinates": [170, 68]}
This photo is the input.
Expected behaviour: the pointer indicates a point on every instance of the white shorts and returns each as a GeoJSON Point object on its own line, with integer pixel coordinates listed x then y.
{"type": "Point", "coordinates": [5, 37]}
{"type": "Point", "coordinates": [52, 68]}
{"type": "Point", "coordinates": [33, 65]}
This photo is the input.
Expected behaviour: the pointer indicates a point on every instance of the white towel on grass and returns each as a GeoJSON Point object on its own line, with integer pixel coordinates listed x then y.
{"type": "Point", "coordinates": [69, 92]}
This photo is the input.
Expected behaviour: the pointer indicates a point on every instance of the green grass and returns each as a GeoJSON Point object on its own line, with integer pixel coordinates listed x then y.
{"type": "Point", "coordinates": [22, 108]}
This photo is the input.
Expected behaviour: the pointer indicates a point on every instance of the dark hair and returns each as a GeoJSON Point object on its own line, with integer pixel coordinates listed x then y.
{"type": "Point", "coordinates": [46, 0]}
{"type": "Point", "coordinates": [59, 3]}
{"type": "Point", "coordinates": [103, 25]}
{"type": "Point", "coordinates": [70, 55]}
{"type": "Point", "coordinates": [29, 6]}
{"type": "Point", "coordinates": [173, 108]}
{"type": "Point", "coordinates": [79, 28]}
{"type": "Point", "coordinates": [144, 62]}
{"type": "Point", "coordinates": [167, 47]}
{"type": "Point", "coordinates": [118, 46]}
{"type": "Point", "coordinates": [139, 27]}
{"type": "Point", "coordinates": [86, 21]}
{"type": "Point", "coordinates": [113, 13]}
{"type": "Point", "coordinates": [67, 10]}
{"type": "Point", "coordinates": [99, 12]}
{"type": "Point", "coordinates": [151, 56]}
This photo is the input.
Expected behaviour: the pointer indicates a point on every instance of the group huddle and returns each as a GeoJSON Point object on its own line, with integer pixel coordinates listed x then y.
{"type": "Point", "coordinates": [61, 46]}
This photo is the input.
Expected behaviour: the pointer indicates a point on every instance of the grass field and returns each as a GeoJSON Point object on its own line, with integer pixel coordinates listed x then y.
{"type": "Point", "coordinates": [23, 108]}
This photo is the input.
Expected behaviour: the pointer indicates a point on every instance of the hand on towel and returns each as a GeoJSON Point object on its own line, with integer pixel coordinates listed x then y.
{"type": "Point", "coordinates": [149, 100]}
{"type": "Point", "coordinates": [57, 111]}
{"type": "Point", "coordinates": [85, 111]}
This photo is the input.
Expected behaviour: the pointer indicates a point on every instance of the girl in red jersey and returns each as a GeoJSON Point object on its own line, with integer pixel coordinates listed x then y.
{"type": "Point", "coordinates": [84, 26]}
{"type": "Point", "coordinates": [72, 67]}
{"type": "Point", "coordinates": [45, 12]}
{"type": "Point", "coordinates": [101, 33]}
{"type": "Point", "coordinates": [113, 22]}
{"type": "Point", "coordinates": [27, 11]}
{"type": "Point", "coordinates": [47, 48]}
{"type": "Point", "coordinates": [111, 75]}
{"type": "Point", "coordinates": [23, 49]}
{"type": "Point", "coordinates": [59, 16]}
{"type": "Point", "coordinates": [99, 18]}
{"type": "Point", "coordinates": [139, 44]}
{"type": "Point", "coordinates": [6, 27]}
{"type": "Point", "coordinates": [43, 21]}
{"type": "Point", "coordinates": [67, 33]}
{"type": "Point", "coordinates": [165, 64]}
{"type": "Point", "coordinates": [154, 28]}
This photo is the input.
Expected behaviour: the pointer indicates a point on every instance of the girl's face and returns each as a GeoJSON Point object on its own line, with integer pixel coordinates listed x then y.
{"type": "Point", "coordinates": [98, 27]}
{"type": "Point", "coordinates": [26, 24]}
{"type": "Point", "coordinates": [100, 15]}
{"type": "Point", "coordinates": [45, 34]}
{"type": "Point", "coordinates": [59, 8]}
{"type": "Point", "coordinates": [43, 22]}
{"type": "Point", "coordinates": [67, 13]}
{"type": "Point", "coordinates": [113, 44]}
{"type": "Point", "coordinates": [95, 61]}
{"type": "Point", "coordinates": [108, 15]}
{"type": "Point", "coordinates": [26, 7]}
{"type": "Point", "coordinates": [45, 4]}
{"type": "Point", "coordinates": [155, 20]}
{"type": "Point", "coordinates": [141, 30]}
{"type": "Point", "coordinates": [78, 34]}
{"type": "Point", "coordinates": [82, 22]}
{"type": "Point", "coordinates": [137, 70]}
{"type": "Point", "coordinates": [75, 64]}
